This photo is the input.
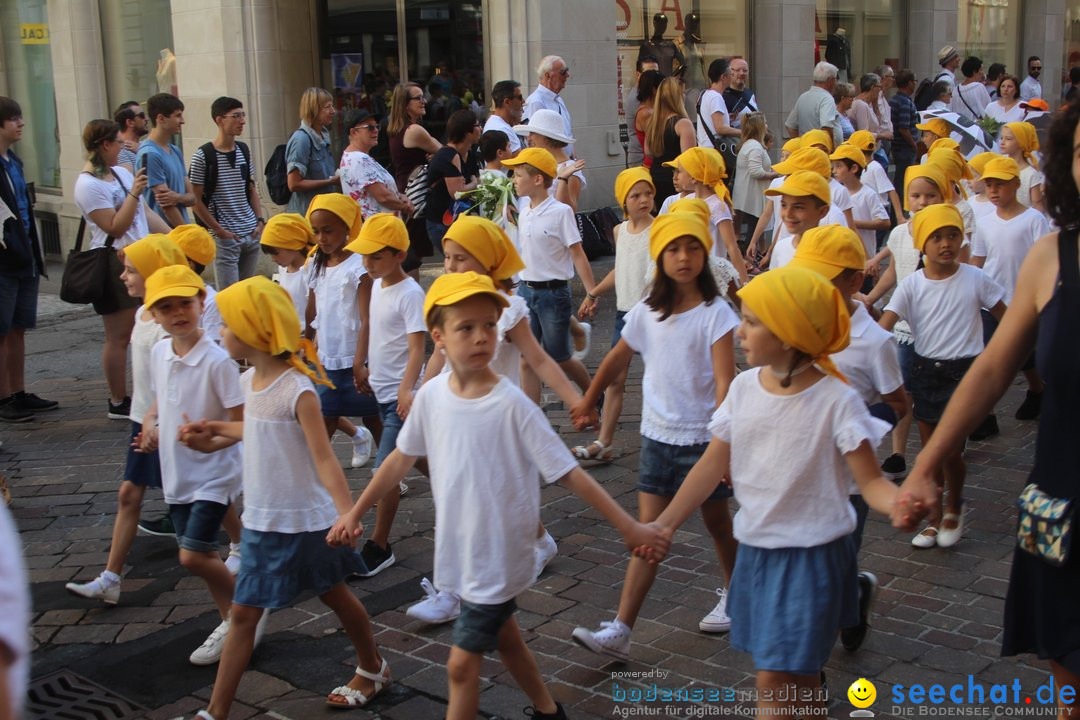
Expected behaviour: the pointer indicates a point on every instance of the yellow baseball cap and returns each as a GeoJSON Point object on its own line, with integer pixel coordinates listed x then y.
{"type": "Point", "coordinates": [153, 252]}
{"type": "Point", "coordinates": [792, 145]}
{"type": "Point", "coordinates": [196, 243]}
{"type": "Point", "coordinates": [539, 158]}
{"type": "Point", "coordinates": [806, 158]}
{"type": "Point", "coordinates": [1001, 168]}
{"type": "Point", "coordinates": [864, 140]}
{"type": "Point", "coordinates": [173, 281]}
{"type": "Point", "coordinates": [830, 249]}
{"type": "Point", "coordinates": [935, 125]}
{"type": "Point", "coordinates": [805, 183]}
{"type": "Point", "coordinates": [933, 218]}
{"type": "Point", "coordinates": [288, 231]}
{"type": "Point", "coordinates": [817, 136]}
{"type": "Point", "coordinates": [850, 152]}
{"type": "Point", "coordinates": [452, 288]}
{"type": "Point", "coordinates": [381, 230]}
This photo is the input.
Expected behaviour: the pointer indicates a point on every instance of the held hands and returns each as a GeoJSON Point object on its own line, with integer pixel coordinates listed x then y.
{"type": "Point", "coordinates": [360, 378]}
{"type": "Point", "coordinates": [345, 531]}
{"type": "Point", "coordinates": [147, 440]}
{"type": "Point", "coordinates": [588, 308]}
{"type": "Point", "coordinates": [584, 415]}
{"type": "Point", "coordinates": [872, 268]}
{"type": "Point", "coordinates": [919, 496]}
{"type": "Point", "coordinates": [656, 541]}
{"type": "Point", "coordinates": [196, 435]}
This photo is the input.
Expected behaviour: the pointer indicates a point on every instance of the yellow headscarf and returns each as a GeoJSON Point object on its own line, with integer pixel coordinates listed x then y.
{"type": "Point", "coordinates": [487, 242]}
{"type": "Point", "coordinates": [953, 164]}
{"type": "Point", "coordinates": [288, 231]}
{"type": "Point", "coordinates": [153, 252]}
{"type": "Point", "coordinates": [262, 315]}
{"type": "Point", "coordinates": [934, 174]}
{"type": "Point", "coordinates": [694, 206]}
{"type": "Point", "coordinates": [943, 142]}
{"type": "Point", "coordinates": [804, 310]}
{"type": "Point", "coordinates": [1027, 138]}
{"type": "Point", "coordinates": [706, 165]}
{"type": "Point", "coordinates": [627, 179]}
{"type": "Point", "coordinates": [344, 207]}
{"type": "Point", "coordinates": [932, 218]}
{"type": "Point", "coordinates": [196, 242]}
{"type": "Point", "coordinates": [978, 162]}
{"type": "Point", "coordinates": [672, 226]}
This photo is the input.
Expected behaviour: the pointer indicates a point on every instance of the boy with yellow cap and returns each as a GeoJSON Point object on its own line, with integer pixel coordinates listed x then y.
{"type": "Point", "coordinates": [487, 445]}
{"type": "Point", "coordinates": [1001, 242]}
{"type": "Point", "coordinates": [804, 203]}
{"type": "Point", "coordinates": [875, 176]}
{"type": "Point", "coordinates": [200, 249]}
{"type": "Point", "coordinates": [769, 216]}
{"type": "Point", "coordinates": [932, 129]}
{"type": "Point", "coordinates": [192, 377]}
{"type": "Point", "coordinates": [1020, 142]}
{"type": "Point", "coordinates": [980, 204]}
{"type": "Point", "coordinates": [941, 303]}
{"type": "Point", "coordinates": [869, 363]}
{"type": "Point", "coordinates": [868, 214]}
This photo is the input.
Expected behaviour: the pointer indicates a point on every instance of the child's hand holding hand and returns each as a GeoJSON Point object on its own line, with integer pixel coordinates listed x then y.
{"type": "Point", "coordinates": [583, 415]}
{"type": "Point", "coordinates": [360, 377]}
{"type": "Point", "coordinates": [404, 403]}
{"type": "Point", "coordinates": [147, 440]}
{"type": "Point", "coordinates": [651, 541]}
{"type": "Point", "coordinates": [919, 496]}
{"type": "Point", "coordinates": [196, 435]}
{"type": "Point", "coordinates": [345, 532]}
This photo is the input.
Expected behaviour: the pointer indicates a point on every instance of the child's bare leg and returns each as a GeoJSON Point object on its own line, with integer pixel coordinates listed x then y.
{"type": "Point", "coordinates": [576, 372]}
{"type": "Point", "coordinates": [1062, 677]}
{"type": "Point", "coordinates": [640, 574]}
{"type": "Point", "coordinates": [211, 568]}
{"type": "Point", "coordinates": [345, 425]}
{"type": "Point", "coordinates": [463, 678]}
{"type": "Point", "coordinates": [1035, 383]}
{"type": "Point", "coordinates": [521, 663]}
{"type": "Point", "coordinates": [925, 431]}
{"type": "Point", "coordinates": [235, 656]}
{"type": "Point", "coordinates": [354, 620]}
{"type": "Point", "coordinates": [613, 402]}
{"type": "Point", "coordinates": [385, 512]}
{"type": "Point", "coordinates": [577, 333]}
{"type": "Point", "coordinates": [129, 502]}
{"type": "Point", "coordinates": [232, 525]}
{"type": "Point", "coordinates": [955, 472]}
{"type": "Point", "coordinates": [900, 433]}
{"type": "Point", "coordinates": [717, 519]}
{"type": "Point", "coordinates": [331, 424]}
{"type": "Point", "coordinates": [768, 680]}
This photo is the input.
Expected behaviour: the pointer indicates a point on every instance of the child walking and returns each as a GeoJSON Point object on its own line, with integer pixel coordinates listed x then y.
{"type": "Point", "coordinates": [812, 160]}
{"type": "Point", "coordinates": [941, 303]}
{"type": "Point", "coordinates": [294, 490]}
{"type": "Point", "coordinates": [684, 334]}
{"type": "Point", "coordinates": [487, 445]}
{"type": "Point", "coordinates": [794, 581]}
{"type": "Point", "coordinates": [1019, 141]}
{"type": "Point", "coordinates": [870, 216]}
{"type": "Point", "coordinates": [804, 203]}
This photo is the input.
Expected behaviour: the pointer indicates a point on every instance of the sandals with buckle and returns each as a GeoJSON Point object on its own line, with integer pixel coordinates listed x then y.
{"type": "Point", "coordinates": [355, 698]}
{"type": "Point", "coordinates": [603, 453]}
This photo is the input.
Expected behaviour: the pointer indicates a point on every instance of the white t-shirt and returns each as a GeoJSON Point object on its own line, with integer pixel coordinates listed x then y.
{"type": "Point", "coordinates": [631, 264]}
{"type": "Point", "coordinates": [396, 312]}
{"type": "Point", "coordinates": [905, 258]}
{"type": "Point", "coordinates": [1029, 178]}
{"type": "Point", "coordinates": [875, 178]}
{"type": "Point", "coordinates": [870, 360]}
{"type": "Point", "coordinates": [297, 284]}
{"type": "Point", "coordinates": [944, 314]}
{"type": "Point", "coordinates": [786, 247]}
{"type": "Point", "coordinates": [507, 359]}
{"type": "Point", "coordinates": [665, 207]}
{"type": "Point", "coordinates": [211, 321]}
{"type": "Point", "coordinates": [204, 383]}
{"type": "Point", "coordinates": [486, 455]}
{"type": "Point", "coordinates": [999, 113]}
{"type": "Point", "coordinates": [494, 122]}
{"type": "Point", "coordinates": [546, 234]}
{"type": "Point", "coordinates": [718, 212]}
{"type": "Point", "coordinates": [711, 102]}
{"type": "Point", "coordinates": [841, 198]}
{"type": "Point", "coordinates": [282, 491]}
{"type": "Point", "coordinates": [93, 193]}
{"type": "Point", "coordinates": [866, 205]}
{"type": "Point", "coordinates": [979, 208]}
{"type": "Point", "coordinates": [337, 318]}
{"type": "Point", "coordinates": [788, 469]}
{"type": "Point", "coordinates": [14, 610]}
{"type": "Point", "coordinates": [678, 387]}
{"type": "Point", "coordinates": [1005, 244]}
{"type": "Point", "coordinates": [144, 336]}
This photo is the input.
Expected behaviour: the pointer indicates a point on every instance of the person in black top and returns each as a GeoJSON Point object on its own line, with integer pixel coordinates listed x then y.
{"type": "Point", "coordinates": [453, 169]}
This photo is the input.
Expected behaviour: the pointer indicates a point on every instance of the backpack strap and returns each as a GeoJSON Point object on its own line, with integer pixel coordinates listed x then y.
{"type": "Point", "coordinates": [708, 132]}
{"type": "Point", "coordinates": [245, 171]}
{"type": "Point", "coordinates": [210, 172]}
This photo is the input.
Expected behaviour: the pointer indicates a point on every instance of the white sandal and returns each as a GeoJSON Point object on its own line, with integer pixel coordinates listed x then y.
{"type": "Point", "coordinates": [355, 698]}
{"type": "Point", "coordinates": [606, 453]}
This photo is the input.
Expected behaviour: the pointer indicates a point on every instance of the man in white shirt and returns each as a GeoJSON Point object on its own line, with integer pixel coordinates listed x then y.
{"type": "Point", "coordinates": [1031, 87]}
{"type": "Point", "coordinates": [970, 97]}
{"type": "Point", "coordinates": [884, 112]}
{"type": "Point", "coordinates": [552, 74]}
{"type": "Point", "coordinates": [508, 106]}
{"type": "Point", "coordinates": [739, 98]}
{"type": "Point", "coordinates": [816, 108]}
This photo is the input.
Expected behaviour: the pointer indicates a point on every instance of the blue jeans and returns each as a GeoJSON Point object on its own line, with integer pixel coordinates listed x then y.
{"type": "Point", "coordinates": [197, 524]}
{"type": "Point", "coordinates": [391, 427]}
{"type": "Point", "coordinates": [549, 317]}
{"type": "Point", "coordinates": [235, 260]}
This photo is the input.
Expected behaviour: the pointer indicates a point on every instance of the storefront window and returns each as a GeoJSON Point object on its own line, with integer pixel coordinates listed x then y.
{"type": "Point", "coordinates": [24, 26]}
{"type": "Point", "coordinates": [858, 36]}
{"type": "Point", "coordinates": [988, 29]}
{"type": "Point", "coordinates": [1072, 37]}
{"type": "Point", "coordinates": [136, 39]}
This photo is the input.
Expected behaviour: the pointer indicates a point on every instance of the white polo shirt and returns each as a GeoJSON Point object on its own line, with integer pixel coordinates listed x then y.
{"type": "Point", "coordinates": [546, 233]}
{"type": "Point", "coordinates": [494, 122]}
{"type": "Point", "coordinates": [870, 361]}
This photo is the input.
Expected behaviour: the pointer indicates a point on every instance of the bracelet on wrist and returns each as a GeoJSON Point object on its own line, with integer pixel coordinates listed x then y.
{"type": "Point", "coordinates": [590, 296]}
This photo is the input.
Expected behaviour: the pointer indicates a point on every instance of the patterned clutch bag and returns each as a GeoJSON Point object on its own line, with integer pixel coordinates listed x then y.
{"type": "Point", "coordinates": [1045, 528]}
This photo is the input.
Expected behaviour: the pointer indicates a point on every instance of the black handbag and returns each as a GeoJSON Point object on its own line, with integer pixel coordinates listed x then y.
{"type": "Point", "coordinates": [86, 273]}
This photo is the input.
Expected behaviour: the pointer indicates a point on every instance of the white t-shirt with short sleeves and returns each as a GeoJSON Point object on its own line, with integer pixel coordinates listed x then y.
{"type": "Point", "coordinates": [866, 205]}
{"type": "Point", "coordinates": [979, 208]}
{"type": "Point", "coordinates": [678, 387]}
{"type": "Point", "coordinates": [337, 318]}
{"type": "Point", "coordinates": [486, 456]}
{"type": "Point", "coordinates": [507, 359]}
{"type": "Point", "coordinates": [1029, 178]}
{"type": "Point", "coordinates": [870, 361]}
{"type": "Point", "coordinates": [801, 501]}
{"type": "Point", "coordinates": [718, 212]}
{"type": "Point", "coordinates": [905, 258]}
{"type": "Point", "coordinates": [944, 314]}
{"type": "Point", "coordinates": [665, 207]}
{"type": "Point", "coordinates": [210, 320]}
{"type": "Point", "coordinates": [396, 312]}
{"type": "Point", "coordinates": [711, 102]}
{"type": "Point", "coordinates": [841, 198]}
{"type": "Point", "coordinates": [297, 284]}
{"type": "Point", "coordinates": [144, 336]}
{"type": "Point", "coordinates": [874, 176]}
{"type": "Point", "coordinates": [204, 383]}
{"type": "Point", "coordinates": [785, 247]}
{"type": "Point", "coordinates": [545, 234]}
{"type": "Point", "coordinates": [1005, 244]}
{"type": "Point", "coordinates": [92, 193]}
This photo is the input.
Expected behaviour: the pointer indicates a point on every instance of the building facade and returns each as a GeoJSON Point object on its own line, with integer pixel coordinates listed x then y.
{"type": "Point", "coordinates": [69, 61]}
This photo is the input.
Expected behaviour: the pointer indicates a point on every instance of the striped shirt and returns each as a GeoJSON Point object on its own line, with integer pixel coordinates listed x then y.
{"type": "Point", "coordinates": [229, 205]}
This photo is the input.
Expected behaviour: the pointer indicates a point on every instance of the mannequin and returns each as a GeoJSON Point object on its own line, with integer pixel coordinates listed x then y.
{"type": "Point", "coordinates": [663, 50]}
{"type": "Point", "coordinates": [838, 52]}
{"type": "Point", "coordinates": [166, 72]}
{"type": "Point", "coordinates": [693, 52]}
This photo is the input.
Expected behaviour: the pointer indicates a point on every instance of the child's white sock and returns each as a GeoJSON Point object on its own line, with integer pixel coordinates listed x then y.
{"type": "Point", "coordinates": [109, 577]}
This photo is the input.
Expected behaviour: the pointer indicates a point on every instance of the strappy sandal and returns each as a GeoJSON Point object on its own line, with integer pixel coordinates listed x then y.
{"type": "Point", "coordinates": [355, 698]}
{"type": "Point", "coordinates": [604, 453]}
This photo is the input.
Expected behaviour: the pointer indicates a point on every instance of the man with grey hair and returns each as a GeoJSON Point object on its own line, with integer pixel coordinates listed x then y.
{"type": "Point", "coordinates": [816, 108]}
{"type": "Point", "coordinates": [552, 74]}
{"type": "Point", "coordinates": [739, 98]}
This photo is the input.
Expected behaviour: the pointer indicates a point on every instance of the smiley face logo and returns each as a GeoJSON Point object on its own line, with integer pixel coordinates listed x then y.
{"type": "Point", "coordinates": [862, 693]}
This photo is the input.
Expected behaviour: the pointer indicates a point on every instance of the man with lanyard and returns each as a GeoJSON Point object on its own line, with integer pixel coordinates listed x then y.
{"type": "Point", "coordinates": [739, 98]}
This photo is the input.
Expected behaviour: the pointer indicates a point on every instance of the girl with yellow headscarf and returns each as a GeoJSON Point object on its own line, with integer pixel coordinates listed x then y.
{"type": "Point", "coordinates": [1019, 141]}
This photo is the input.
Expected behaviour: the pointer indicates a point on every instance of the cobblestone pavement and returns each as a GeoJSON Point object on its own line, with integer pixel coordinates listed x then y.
{"type": "Point", "coordinates": [937, 619]}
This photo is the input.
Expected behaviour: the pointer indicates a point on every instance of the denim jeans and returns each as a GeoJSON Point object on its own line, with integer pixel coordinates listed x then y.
{"type": "Point", "coordinates": [235, 260]}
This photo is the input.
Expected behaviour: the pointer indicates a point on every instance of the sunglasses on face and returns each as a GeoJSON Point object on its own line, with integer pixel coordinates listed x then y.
{"type": "Point", "coordinates": [369, 128]}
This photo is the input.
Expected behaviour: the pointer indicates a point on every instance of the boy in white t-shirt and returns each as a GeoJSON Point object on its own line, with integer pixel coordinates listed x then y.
{"type": "Point", "coordinates": [192, 377]}
{"type": "Point", "coordinates": [1001, 242]}
{"type": "Point", "coordinates": [941, 302]}
{"type": "Point", "coordinates": [804, 202]}
{"type": "Point", "coordinates": [867, 212]}
{"type": "Point", "coordinates": [874, 174]}
{"type": "Point", "coordinates": [487, 445]}
{"type": "Point", "coordinates": [393, 351]}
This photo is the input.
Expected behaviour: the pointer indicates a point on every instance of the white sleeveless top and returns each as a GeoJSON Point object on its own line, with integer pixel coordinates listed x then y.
{"type": "Point", "coordinates": [631, 264]}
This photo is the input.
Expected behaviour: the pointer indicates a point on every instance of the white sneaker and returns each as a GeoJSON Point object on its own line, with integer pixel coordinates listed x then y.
{"type": "Point", "coordinates": [717, 621]}
{"type": "Point", "coordinates": [584, 351]}
{"type": "Point", "coordinates": [613, 638]}
{"type": "Point", "coordinates": [210, 651]}
{"type": "Point", "coordinates": [543, 551]}
{"type": "Point", "coordinates": [232, 563]}
{"type": "Point", "coordinates": [402, 489]}
{"type": "Point", "coordinates": [437, 608]}
{"type": "Point", "coordinates": [98, 588]}
{"type": "Point", "coordinates": [363, 444]}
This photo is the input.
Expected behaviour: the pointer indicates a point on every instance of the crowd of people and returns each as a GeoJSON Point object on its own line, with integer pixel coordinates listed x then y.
{"type": "Point", "coordinates": [792, 261]}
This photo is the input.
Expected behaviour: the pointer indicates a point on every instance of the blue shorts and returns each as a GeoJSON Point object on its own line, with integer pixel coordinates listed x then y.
{"type": "Point", "coordinates": [391, 427]}
{"type": "Point", "coordinates": [905, 352]}
{"type": "Point", "coordinates": [620, 322]}
{"type": "Point", "coordinates": [197, 524]}
{"type": "Point", "coordinates": [932, 384]}
{"type": "Point", "coordinates": [476, 629]}
{"type": "Point", "coordinates": [276, 567]}
{"type": "Point", "coordinates": [344, 400]}
{"type": "Point", "coordinates": [663, 467]}
{"type": "Point", "coordinates": [142, 469]}
{"type": "Point", "coordinates": [18, 302]}
{"type": "Point", "coordinates": [549, 317]}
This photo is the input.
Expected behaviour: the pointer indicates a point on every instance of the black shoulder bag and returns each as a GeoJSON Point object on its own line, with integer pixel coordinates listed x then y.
{"type": "Point", "coordinates": [86, 272]}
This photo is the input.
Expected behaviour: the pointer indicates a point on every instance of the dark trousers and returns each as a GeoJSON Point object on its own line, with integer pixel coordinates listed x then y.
{"type": "Point", "coordinates": [902, 159]}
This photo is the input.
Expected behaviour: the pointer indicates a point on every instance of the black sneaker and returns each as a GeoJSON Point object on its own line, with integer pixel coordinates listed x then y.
{"type": "Point", "coordinates": [988, 428]}
{"type": "Point", "coordinates": [376, 558]}
{"type": "Point", "coordinates": [1029, 409]}
{"type": "Point", "coordinates": [12, 414]}
{"type": "Point", "coordinates": [32, 403]}
{"type": "Point", "coordinates": [161, 527]}
{"type": "Point", "coordinates": [852, 638]}
{"type": "Point", "coordinates": [559, 713]}
{"type": "Point", "coordinates": [120, 410]}
{"type": "Point", "coordinates": [894, 467]}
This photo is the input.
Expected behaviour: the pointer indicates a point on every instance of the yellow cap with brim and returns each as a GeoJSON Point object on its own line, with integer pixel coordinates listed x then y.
{"type": "Point", "coordinates": [382, 230]}
{"type": "Point", "coordinates": [172, 281]}
{"type": "Point", "coordinates": [817, 136]}
{"type": "Point", "coordinates": [803, 184]}
{"type": "Point", "coordinates": [539, 158]}
{"type": "Point", "coordinates": [850, 152]}
{"type": "Point", "coordinates": [792, 145]}
{"type": "Point", "coordinates": [935, 125]}
{"type": "Point", "coordinates": [452, 288]}
{"type": "Point", "coordinates": [864, 140]}
{"type": "Point", "coordinates": [806, 158]}
{"type": "Point", "coordinates": [196, 242]}
{"type": "Point", "coordinates": [1001, 168]}
{"type": "Point", "coordinates": [829, 250]}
